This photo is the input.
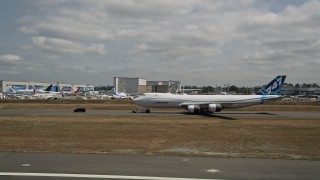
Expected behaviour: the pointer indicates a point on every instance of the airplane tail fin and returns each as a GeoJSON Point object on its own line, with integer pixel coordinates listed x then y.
{"type": "Point", "coordinates": [114, 92]}
{"type": "Point", "coordinates": [48, 88]}
{"type": "Point", "coordinates": [11, 88]}
{"type": "Point", "coordinates": [34, 90]}
{"type": "Point", "coordinates": [77, 91]}
{"type": "Point", "coordinates": [274, 87]}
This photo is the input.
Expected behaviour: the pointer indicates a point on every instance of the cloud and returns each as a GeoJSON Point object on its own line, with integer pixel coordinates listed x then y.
{"type": "Point", "coordinates": [65, 46]}
{"type": "Point", "coordinates": [9, 64]}
{"type": "Point", "coordinates": [10, 58]}
{"type": "Point", "coordinates": [215, 40]}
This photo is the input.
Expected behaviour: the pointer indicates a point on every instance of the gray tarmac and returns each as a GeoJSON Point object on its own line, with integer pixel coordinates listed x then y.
{"type": "Point", "coordinates": [223, 114]}
{"type": "Point", "coordinates": [96, 166]}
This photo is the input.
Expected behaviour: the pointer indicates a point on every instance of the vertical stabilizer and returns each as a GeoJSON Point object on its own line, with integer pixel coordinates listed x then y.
{"type": "Point", "coordinates": [274, 87]}
{"type": "Point", "coordinates": [114, 92]}
{"type": "Point", "coordinates": [77, 91]}
{"type": "Point", "coordinates": [48, 88]}
{"type": "Point", "coordinates": [11, 89]}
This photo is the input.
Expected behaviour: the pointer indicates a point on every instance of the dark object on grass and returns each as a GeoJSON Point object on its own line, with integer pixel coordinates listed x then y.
{"type": "Point", "coordinates": [79, 110]}
{"type": "Point", "coordinates": [141, 111]}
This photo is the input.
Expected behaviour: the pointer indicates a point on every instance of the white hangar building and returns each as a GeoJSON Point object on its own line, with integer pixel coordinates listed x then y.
{"type": "Point", "coordinates": [130, 85]}
{"type": "Point", "coordinates": [140, 85]}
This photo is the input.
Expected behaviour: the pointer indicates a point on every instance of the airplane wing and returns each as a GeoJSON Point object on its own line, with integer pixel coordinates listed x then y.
{"type": "Point", "coordinates": [193, 103]}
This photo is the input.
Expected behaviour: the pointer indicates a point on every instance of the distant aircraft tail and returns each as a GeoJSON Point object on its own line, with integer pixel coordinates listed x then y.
{"type": "Point", "coordinates": [11, 89]}
{"type": "Point", "coordinates": [77, 91]}
{"type": "Point", "coordinates": [34, 90]}
{"type": "Point", "coordinates": [274, 87]}
{"type": "Point", "coordinates": [48, 88]}
{"type": "Point", "coordinates": [114, 92]}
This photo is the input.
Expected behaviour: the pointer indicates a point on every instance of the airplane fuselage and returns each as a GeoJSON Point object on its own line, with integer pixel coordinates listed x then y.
{"type": "Point", "coordinates": [166, 100]}
{"type": "Point", "coordinates": [212, 103]}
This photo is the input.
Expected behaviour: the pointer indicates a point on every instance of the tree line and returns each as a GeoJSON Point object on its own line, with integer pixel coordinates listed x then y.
{"type": "Point", "coordinates": [244, 90]}
{"type": "Point", "coordinates": [103, 88]}
{"type": "Point", "coordinates": [304, 85]}
{"type": "Point", "coordinates": [226, 88]}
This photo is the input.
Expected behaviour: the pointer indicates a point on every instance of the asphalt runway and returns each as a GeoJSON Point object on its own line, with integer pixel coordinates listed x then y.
{"type": "Point", "coordinates": [223, 115]}
{"type": "Point", "coordinates": [101, 166]}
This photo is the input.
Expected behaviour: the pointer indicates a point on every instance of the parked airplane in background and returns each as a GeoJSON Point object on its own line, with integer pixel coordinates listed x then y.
{"type": "Point", "coordinates": [27, 93]}
{"type": "Point", "coordinates": [120, 95]}
{"type": "Point", "coordinates": [2, 96]}
{"type": "Point", "coordinates": [22, 91]}
{"type": "Point", "coordinates": [76, 91]}
{"type": "Point", "coordinates": [211, 103]}
{"type": "Point", "coordinates": [47, 89]}
{"type": "Point", "coordinates": [46, 94]}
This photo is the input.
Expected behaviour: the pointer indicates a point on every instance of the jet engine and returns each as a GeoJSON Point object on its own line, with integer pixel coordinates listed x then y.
{"type": "Point", "coordinates": [193, 109]}
{"type": "Point", "coordinates": [214, 108]}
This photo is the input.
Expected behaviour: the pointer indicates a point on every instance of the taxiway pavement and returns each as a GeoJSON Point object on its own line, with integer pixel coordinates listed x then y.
{"type": "Point", "coordinates": [102, 166]}
{"type": "Point", "coordinates": [223, 114]}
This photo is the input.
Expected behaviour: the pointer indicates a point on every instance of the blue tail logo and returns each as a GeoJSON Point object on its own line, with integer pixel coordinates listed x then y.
{"type": "Point", "coordinates": [48, 88]}
{"type": "Point", "coordinates": [274, 87]}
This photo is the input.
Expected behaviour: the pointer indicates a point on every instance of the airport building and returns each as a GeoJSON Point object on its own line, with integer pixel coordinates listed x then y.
{"type": "Point", "coordinates": [130, 85]}
{"type": "Point", "coordinates": [291, 91]}
{"type": "Point", "coordinates": [9, 86]}
{"type": "Point", "coordinates": [165, 86]}
{"type": "Point", "coordinates": [140, 85]}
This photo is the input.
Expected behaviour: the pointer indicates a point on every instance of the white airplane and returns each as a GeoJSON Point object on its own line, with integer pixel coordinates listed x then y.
{"type": "Point", "coordinates": [21, 91]}
{"type": "Point", "coordinates": [120, 95]}
{"type": "Point", "coordinates": [76, 91]}
{"type": "Point", "coordinates": [211, 103]}
{"type": "Point", "coordinates": [2, 96]}
{"type": "Point", "coordinates": [46, 94]}
{"type": "Point", "coordinates": [47, 89]}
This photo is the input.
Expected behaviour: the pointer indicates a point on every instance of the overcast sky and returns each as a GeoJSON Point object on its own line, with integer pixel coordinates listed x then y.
{"type": "Point", "coordinates": [240, 42]}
